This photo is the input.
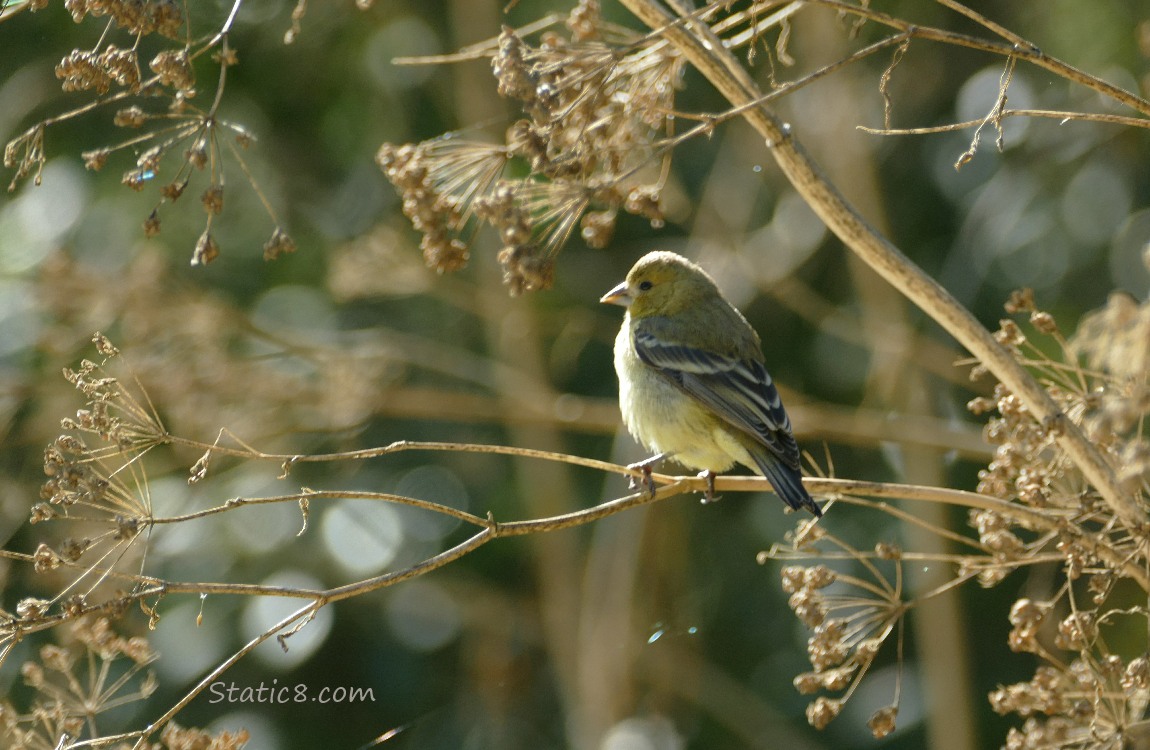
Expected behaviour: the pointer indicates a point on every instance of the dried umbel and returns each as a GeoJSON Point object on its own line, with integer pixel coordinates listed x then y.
{"type": "Point", "coordinates": [176, 736]}
{"type": "Point", "coordinates": [1116, 338]}
{"type": "Point", "coordinates": [849, 621]}
{"type": "Point", "coordinates": [73, 686]}
{"type": "Point", "coordinates": [424, 174]}
{"type": "Point", "coordinates": [1036, 508]}
{"type": "Point", "coordinates": [1089, 702]}
{"type": "Point", "coordinates": [140, 17]}
{"type": "Point", "coordinates": [1109, 398]}
{"type": "Point", "coordinates": [1027, 617]}
{"type": "Point", "coordinates": [83, 70]}
{"type": "Point", "coordinates": [156, 97]}
{"type": "Point", "coordinates": [174, 68]}
{"type": "Point", "coordinates": [596, 110]}
{"type": "Point", "coordinates": [92, 480]}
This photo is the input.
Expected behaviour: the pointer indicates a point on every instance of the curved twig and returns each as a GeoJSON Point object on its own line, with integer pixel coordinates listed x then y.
{"type": "Point", "coordinates": [1062, 117]}
{"type": "Point", "coordinates": [1021, 49]}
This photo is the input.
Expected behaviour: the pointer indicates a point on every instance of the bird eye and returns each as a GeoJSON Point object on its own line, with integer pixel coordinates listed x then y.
{"type": "Point", "coordinates": [645, 285]}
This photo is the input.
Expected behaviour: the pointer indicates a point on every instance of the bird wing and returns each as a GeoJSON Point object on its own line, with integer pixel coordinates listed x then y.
{"type": "Point", "coordinates": [738, 390]}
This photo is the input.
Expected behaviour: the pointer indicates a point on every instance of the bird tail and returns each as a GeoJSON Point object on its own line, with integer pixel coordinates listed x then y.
{"type": "Point", "coordinates": [787, 482]}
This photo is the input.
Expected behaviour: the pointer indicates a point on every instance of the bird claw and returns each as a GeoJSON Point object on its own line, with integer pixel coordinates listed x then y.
{"type": "Point", "coordinates": [709, 495]}
{"type": "Point", "coordinates": [645, 467]}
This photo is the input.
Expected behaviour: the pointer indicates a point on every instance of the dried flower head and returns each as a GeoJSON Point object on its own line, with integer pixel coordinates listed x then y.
{"type": "Point", "coordinates": [213, 199]}
{"type": "Point", "coordinates": [177, 737]}
{"type": "Point", "coordinates": [139, 17]}
{"type": "Point", "coordinates": [1077, 632]}
{"type": "Point", "coordinates": [1044, 509]}
{"type": "Point", "coordinates": [112, 70]}
{"type": "Point", "coordinates": [207, 249]}
{"type": "Point", "coordinates": [595, 104]}
{"type": "Point", "coordinates": [174, 68]}
{"type": "Point", "coordinates": [94, 483]}
{"type": "Point", "coordinates": [280, 243]}
{"type": "Point", "coordinates": [74, 685]}
{"type": "Point", "coordinates": [1116, 338]}
{"type": "Point", "coordinates": [81, 71]}
{"type": "Point", "coordinates": [822, 711]}
{"type": "Point", "coordinates": [882, 722]}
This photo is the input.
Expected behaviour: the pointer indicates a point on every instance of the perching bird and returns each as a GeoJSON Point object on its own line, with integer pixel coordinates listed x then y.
{"type": "Point", "coordinates": [692, 384]}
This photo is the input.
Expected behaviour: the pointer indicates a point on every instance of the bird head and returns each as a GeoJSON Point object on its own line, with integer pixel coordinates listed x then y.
{"type": "Point", "coordinates": [661, 283]}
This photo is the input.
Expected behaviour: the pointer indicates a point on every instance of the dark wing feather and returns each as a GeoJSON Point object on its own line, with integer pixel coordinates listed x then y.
{"type": "Point", "coordinates": [738, 390]}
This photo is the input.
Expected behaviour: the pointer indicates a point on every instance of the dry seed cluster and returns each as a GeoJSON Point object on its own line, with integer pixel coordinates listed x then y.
{"type": "Point", "coordinates": [138, 17]}
{"type": "Point", "coordinates": [113, 73]}
{"type": "Point", "coordinates": [1082, 694]}
{"type": "Point", "coordinates": [73, 685]}
{"type": "Point", "coordinates": [596, 103]}
{"type": "Point", "coordinates": [840, 649]}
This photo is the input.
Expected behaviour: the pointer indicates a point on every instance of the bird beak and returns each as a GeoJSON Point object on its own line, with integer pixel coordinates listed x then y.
{"type": "Point", "coordinates": [620, 295]}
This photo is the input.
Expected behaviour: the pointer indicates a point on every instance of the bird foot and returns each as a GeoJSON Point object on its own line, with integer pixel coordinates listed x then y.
{"type": "Point", "coordinates": [709, 495]}
{"type": "Point", "coordinates": [645, 467]}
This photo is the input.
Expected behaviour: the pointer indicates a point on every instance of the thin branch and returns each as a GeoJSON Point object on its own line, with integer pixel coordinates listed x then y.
{"type": "Point", "coordinates": [671, 486]}
{"type": "Point", "coordinates": [1044, 520]}
{"type": "Point", "coordinates": [985, 22]}
{"type": "Point", "coordinates": [757, 26]}
{"type": "Point", "coordinates": [310, 494]}
{"type": "Point", "coordinates": [1023, 50]}
{"type": "Point", "coordinates": [306, 611]}
{"type": "Point", "coordinates": [399, 446]}
{"type": "Point", "coordinates": [1063, 117]}
{"type": "Point", "coordinates": [226, 28]}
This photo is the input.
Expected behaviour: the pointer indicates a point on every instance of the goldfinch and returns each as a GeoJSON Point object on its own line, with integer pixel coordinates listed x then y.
{"type": "Point", "coordinates": [692, 383]}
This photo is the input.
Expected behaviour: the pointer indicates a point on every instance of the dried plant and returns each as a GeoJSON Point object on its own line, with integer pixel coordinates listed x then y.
{"type": "Point", "coordinates": [97, 482]}
{"type": "Point", "coordinates": [1032, 508]}
{"type": "Point", "coordinates": [1039, 510]}
{"type": "Point", "coordinates": [175, 139]}
{"type": "Point", "coordinates": [598, 106]}
{"type": "Point", "coordinates": [73, 685]}
{"type": "Point", "coordinates": [1070, 464]}
{"type": "Point", "coordinates": [1066, 488]}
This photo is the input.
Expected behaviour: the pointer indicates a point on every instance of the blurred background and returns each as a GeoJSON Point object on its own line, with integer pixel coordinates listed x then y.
{"type": "Point", "coordinates": [653, 629]}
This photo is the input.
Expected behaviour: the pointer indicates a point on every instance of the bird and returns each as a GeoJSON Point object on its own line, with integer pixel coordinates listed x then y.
{"type": "Point", "coordinates": [693, 385]}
